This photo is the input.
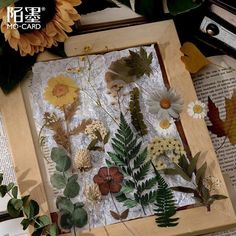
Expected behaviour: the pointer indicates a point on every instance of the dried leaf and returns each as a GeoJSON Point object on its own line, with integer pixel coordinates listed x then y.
{"type": "Point", "coordinates": [223, 128]}
{"type": "Point", "coordinates": [115, 215]}
{"type": "Point", "coordinates": [217, 126]}
{"type": "Point", "coordinates": [139, 63]}
{"type": "Point", "coordinates": [136, 115]}
{"type": "Point", "coordinates": [128, 69]}
{"type": "Point", "coordinates": [124, 214]}
{"type": "Point", "coordinates": [193, 59]}
{"type": "Point", "coordinates": [71, 110]}
{"type": "Point", "coordinates": [81, 127]}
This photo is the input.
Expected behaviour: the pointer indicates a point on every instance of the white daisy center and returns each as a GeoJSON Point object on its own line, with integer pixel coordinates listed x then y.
{"type": "Point", "coordinates": [197, 109]}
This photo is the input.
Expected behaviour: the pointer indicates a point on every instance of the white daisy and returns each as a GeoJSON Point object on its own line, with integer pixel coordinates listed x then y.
{"type": "Point", "coordinates": [165, 126]}
{"type": "Point", "coordinates": [197, 109]}
{"type": "Point", "coordinates": [165, 104]}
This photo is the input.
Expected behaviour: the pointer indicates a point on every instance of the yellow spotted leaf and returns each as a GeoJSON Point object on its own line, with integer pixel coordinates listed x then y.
{"type": "Point", "coordinates": [193, 59]}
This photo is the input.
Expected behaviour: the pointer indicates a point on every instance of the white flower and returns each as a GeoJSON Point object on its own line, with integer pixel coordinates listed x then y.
{"type": "Point", "coordinates": [165, 126]}
{"type": "Point", "coordinates": [98, 126]}
{"type": "Point", "coordinates": [165, 104]}
{"type": "Point", "coordinates": [197, 109]}
{"type": "Point", "coordinates": [212, 183]}
{"type": "Point", "coordinates": [92, 193]}
{"type": "Point", "coordinates": [160, 165]}
{"type": "Point", "coordinates": [83, 160]}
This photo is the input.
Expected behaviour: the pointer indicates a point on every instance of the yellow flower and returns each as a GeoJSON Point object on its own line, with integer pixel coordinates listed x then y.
{"type": "Point", "coordinates": [61, 91]}
{"type": "Point", "coordinates": [54, 31]}
{"type": "Point", "coordinates": [160, 165]}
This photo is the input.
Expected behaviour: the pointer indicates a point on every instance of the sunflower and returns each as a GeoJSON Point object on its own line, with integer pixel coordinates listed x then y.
{"type": "Point", "coordinates": [56, 21]}
{"type": "Point", "coordinates": [61, 91]}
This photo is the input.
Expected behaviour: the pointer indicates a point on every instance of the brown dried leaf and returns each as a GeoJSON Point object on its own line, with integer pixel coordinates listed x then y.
{"type": "Point", "coordinates": [71, 110]}
{"type": "Point", "coordinates": [115, 215]}
{"type": "Point", "coordinates": [224, 128]}
{"type": "Point", "coordinates": [124, 214]}
{"type": "Point", "coordinates": [217, 126]}
{"type": "Point", "coordinates": [81, 127]}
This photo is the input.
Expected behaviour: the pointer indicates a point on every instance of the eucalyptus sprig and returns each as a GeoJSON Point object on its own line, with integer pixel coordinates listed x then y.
{"type": "Point", "coordinates": [29, 208]}
{"type": "Point", "coordinates": [72, 214]}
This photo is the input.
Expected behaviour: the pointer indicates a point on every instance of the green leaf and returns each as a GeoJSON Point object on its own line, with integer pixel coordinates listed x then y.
{"type": "Point", "coordinates": [177, 171]}
{"type": "Point", "coordinates": [3, 190]}
{"type": "Point", "coordinates": [42, 221]}
{"type": "Point", "coordinates": [53, 230]}
{"type": "Point", "coordinates": [130, 203]}
{"type": "Point", "coordinates": [37, 232]}
{"type": "Point", "coordinates": [218, 197]}
{"type": "Point", "coordinates": [25, 200]}
{"type": "Point", "coordinates": [182, 6]}
{"type": "Point", "coordinates": [32, 209]}
{"type": "Point", "coordinates": [58, 181]}
{"type": "Point", "coordinates": [165, 203]}
{"type": "Point", "coordinates": [126, 189]}
{"type": "Point", "coordinates": [58, 153]}
{"type": "Point", "coordinates": [117, 159]}
{"type": "Point", "coordinates": [14, 191]}
{"type": "Point", "coordinates": [62, 160]}
{"type": "Point", "coordinates": [14, 207]}
{"type": "Point", "coordinates": [193, 164]}
{"type": "Point", "coordinates": [139, 63]}
{"type": "Point", "coordinates": [66, 221]}
{"type": "Point", "coordinates": [72, 188]}
{"type": "Point", "coordinates": [80, 217]}
{"type": "Point", "coordinates": [10, 186]}
{"type": "Point", "coordinates": [120, 197]}
{"type": "Point", "coordinates": [25, 223]}
{"type": "Point", "coordinates": [183, 189]}
{"type": "Point", "coordinates": [92, 144]}
{"type": "Point", "coordinates": [201, 173]}
{"type": "Point", "coordinates": [78, 205]}
{"type": "Point", "coordinates": [63, 164]}
{"type": "Point", "coordinates": [1, 178]}
{"type": "Point", "coordinates": [106, 138]}
{"type": "Point", "coordinates": [136, 114]}
{"type": "Point", "coordinates": [64, 205]}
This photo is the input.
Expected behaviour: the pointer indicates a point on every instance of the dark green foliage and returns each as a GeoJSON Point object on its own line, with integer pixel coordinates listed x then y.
{"type": "Point", "coordinates": [165, 204]}
{"type": "Point", "coordinates": [186, 169]}
{"type": "Point", "coordinates": [134, 165]}
{"type": "Point", "coordinates": [136, 114]}
{"type": "Point", "coordinates": [139, 63]}
{"type": "Point", "coordinates": [16, 207]}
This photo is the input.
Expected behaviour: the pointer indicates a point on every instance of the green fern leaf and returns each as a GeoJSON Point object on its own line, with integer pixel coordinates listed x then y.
{"type": "Point", "coordinates": [133, 163]}
{"type": "Point", "coordinates": [136, 115]}
{"type": "Point", "coordinates": [165, 204]}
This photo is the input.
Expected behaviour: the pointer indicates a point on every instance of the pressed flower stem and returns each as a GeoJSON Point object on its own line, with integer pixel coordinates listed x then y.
{"type": "Point", "coordinates": [67, 130]}
{"type": "Point", "coordinates": [126, 226]}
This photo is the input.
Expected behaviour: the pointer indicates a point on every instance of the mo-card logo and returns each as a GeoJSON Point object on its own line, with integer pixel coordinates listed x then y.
{"type": "Point", "coordinates": [24, 17]}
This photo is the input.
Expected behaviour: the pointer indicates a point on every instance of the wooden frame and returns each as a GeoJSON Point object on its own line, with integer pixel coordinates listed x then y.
{"type": "Point", "coordinates": [192, 221]}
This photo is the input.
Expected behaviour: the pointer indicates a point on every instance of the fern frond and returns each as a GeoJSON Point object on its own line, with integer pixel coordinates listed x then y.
{"type": "Point", "coordinates": [165, 204]}
{"type": "Point", "coordinates": [136, 114]}
{"type": "Point", "coordinates": [133, 163]}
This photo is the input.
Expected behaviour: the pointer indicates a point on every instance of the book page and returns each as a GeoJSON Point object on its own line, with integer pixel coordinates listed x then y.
{"type": "Point", "coordinates": [6, 164]}
{"type": "Point", "coordinates": [218, 81]}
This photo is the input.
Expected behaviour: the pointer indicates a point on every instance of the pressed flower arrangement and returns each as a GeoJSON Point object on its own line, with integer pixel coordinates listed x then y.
{"type": "Point", "coordinates": [110, 162]}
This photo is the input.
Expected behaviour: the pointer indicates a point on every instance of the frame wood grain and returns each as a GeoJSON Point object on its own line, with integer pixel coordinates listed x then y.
{"type": "Point", "coordinates": [193, 221]}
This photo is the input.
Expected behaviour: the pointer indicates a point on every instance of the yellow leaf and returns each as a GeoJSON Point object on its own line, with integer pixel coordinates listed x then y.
{"type": "Point", "coordinates": [230, 120]}
{"type": "Point", "coordinates": [193, 59]}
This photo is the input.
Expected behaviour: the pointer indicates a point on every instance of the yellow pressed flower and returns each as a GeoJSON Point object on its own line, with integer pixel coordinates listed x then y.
{"type": "Point", "coordinates": [160, 165]}
{"type": "Point", "coordinates": [61, 91]}
{"type": "Point", "coordinates": [87, 48]}
{"type": "Point", "coordinates": [92, 193]}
